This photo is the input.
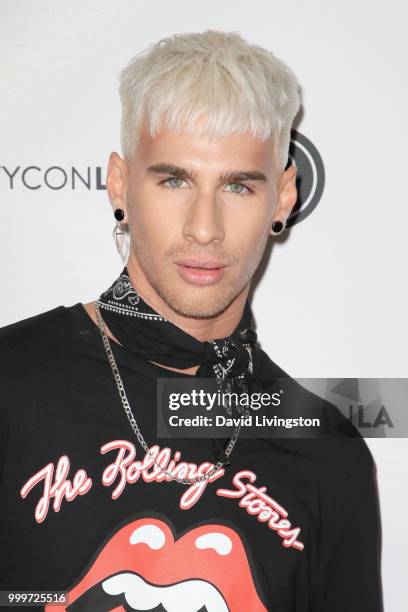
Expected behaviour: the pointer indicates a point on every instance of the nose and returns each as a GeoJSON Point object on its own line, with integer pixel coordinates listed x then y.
{"type": "Point", "coordinates": [204, 220]}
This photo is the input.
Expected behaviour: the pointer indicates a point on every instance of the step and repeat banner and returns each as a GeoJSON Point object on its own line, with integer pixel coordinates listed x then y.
{"type": "Point", "coordinates": [330, 299]}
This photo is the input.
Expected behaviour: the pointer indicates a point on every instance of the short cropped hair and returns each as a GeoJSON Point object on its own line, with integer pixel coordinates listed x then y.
{"type": "Point", "coordinates": [236, 85]}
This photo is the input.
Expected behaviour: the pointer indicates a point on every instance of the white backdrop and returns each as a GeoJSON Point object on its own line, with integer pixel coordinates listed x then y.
{"type": "Point", "coordinates": [333, 299]}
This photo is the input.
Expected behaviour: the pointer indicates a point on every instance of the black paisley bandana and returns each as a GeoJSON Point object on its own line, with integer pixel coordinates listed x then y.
{"type": "Point", "coordinates": [139, 328]}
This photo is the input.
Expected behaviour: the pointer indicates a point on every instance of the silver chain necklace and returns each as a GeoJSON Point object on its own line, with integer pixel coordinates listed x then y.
{"type": "Point", "coordinates": [122, 394]}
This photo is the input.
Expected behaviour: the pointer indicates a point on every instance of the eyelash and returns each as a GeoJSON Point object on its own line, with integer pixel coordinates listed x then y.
{"type": "Point", "coordinates": [233, 183]}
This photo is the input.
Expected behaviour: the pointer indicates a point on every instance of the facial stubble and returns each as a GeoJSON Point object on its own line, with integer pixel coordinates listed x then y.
{"type": "Point", "coordinates": [199, 302]}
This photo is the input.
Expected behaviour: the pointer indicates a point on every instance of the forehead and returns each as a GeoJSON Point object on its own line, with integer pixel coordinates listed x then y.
{"type": "Point", "coordinates": [189, 149]}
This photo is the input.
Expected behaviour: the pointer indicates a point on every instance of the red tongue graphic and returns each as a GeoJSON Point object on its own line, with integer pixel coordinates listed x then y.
{"type": "Point", "coordinates": [211, 552]}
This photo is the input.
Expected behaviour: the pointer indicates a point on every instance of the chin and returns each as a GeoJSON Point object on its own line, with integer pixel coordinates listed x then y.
{"type": "Point", "coordinates": [194, 301]}
{"type": "Point", "coordinates": [197, 309]}
{"type": "Point", "coordinates": [199, 303]}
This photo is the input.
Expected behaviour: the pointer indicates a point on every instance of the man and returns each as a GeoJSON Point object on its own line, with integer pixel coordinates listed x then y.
{"type": "Point", "coordinates": [93, 503]}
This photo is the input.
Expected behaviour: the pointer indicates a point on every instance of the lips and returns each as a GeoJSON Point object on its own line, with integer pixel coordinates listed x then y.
{"type": "Point", "coordinates": [205, 272]}
{"type": "Point", "coordinates": [207, 264]}
{"type": "Point", "coordinates": [143, 567]}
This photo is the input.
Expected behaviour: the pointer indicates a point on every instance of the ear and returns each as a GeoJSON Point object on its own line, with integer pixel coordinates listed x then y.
{"type": "Point", "coordinates": [117, 183]}
{"type": "Point", "coordinates": [286, 195]}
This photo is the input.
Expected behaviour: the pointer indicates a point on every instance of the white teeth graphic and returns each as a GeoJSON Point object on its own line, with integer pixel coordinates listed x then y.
{"type": "Point", "coordinates": [187, 596]}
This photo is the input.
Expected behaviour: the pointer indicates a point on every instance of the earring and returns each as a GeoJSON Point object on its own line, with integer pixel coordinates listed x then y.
{"type": "Point", "coordinates": [119, 214]}
{"type": "Point", "coordinates": [118, 233]}
{"type": "Point", "coordinates": [277, 227]}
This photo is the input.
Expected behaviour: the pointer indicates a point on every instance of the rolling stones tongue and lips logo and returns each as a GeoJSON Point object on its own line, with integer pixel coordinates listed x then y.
{"type": "Point", "coordinates": [143, 567]}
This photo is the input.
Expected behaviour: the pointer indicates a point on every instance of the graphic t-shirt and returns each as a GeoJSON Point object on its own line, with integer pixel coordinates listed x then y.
{"type": "Point", "coordinates": [288, 525]}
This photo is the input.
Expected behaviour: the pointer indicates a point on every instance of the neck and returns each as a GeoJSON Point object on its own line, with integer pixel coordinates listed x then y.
{"type": "Point", "coordinates": [202, 329]}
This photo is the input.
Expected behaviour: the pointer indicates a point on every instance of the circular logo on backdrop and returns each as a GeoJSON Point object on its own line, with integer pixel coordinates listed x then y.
{"type": "Point", "coordinates": [309, 179]}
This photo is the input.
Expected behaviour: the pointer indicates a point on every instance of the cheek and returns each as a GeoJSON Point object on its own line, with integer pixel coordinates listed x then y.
{"type": "Point", "coordinates": [151, 225]}
{"type": "Point", "coordinates": [152, 234]}
{"type": "Point", "coordinates": [247, 226]}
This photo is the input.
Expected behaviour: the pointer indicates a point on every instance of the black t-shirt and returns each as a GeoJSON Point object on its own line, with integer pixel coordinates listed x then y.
{"type": "Point", "coordinates": [289, 525]}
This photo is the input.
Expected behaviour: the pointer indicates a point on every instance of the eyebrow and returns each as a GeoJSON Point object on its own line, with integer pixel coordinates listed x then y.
{"type": "Point", "coordinates": [232, 176]}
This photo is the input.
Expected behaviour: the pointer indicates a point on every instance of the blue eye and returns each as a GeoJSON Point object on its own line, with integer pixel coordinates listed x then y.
{"type": "Point", "coordinates": [168, 181]}
{"type": "Point", "coordinates": [175, 182]}
{"type": "Point", "coordinates": [238, 191]}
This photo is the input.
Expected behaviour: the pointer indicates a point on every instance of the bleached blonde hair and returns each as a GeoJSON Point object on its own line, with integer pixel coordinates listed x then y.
{"type": "Point", "coordinates": [237, 86]}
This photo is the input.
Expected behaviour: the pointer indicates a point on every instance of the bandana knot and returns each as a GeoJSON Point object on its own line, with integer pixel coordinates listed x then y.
{"type": "Point", "coordinates": [139, 328]}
